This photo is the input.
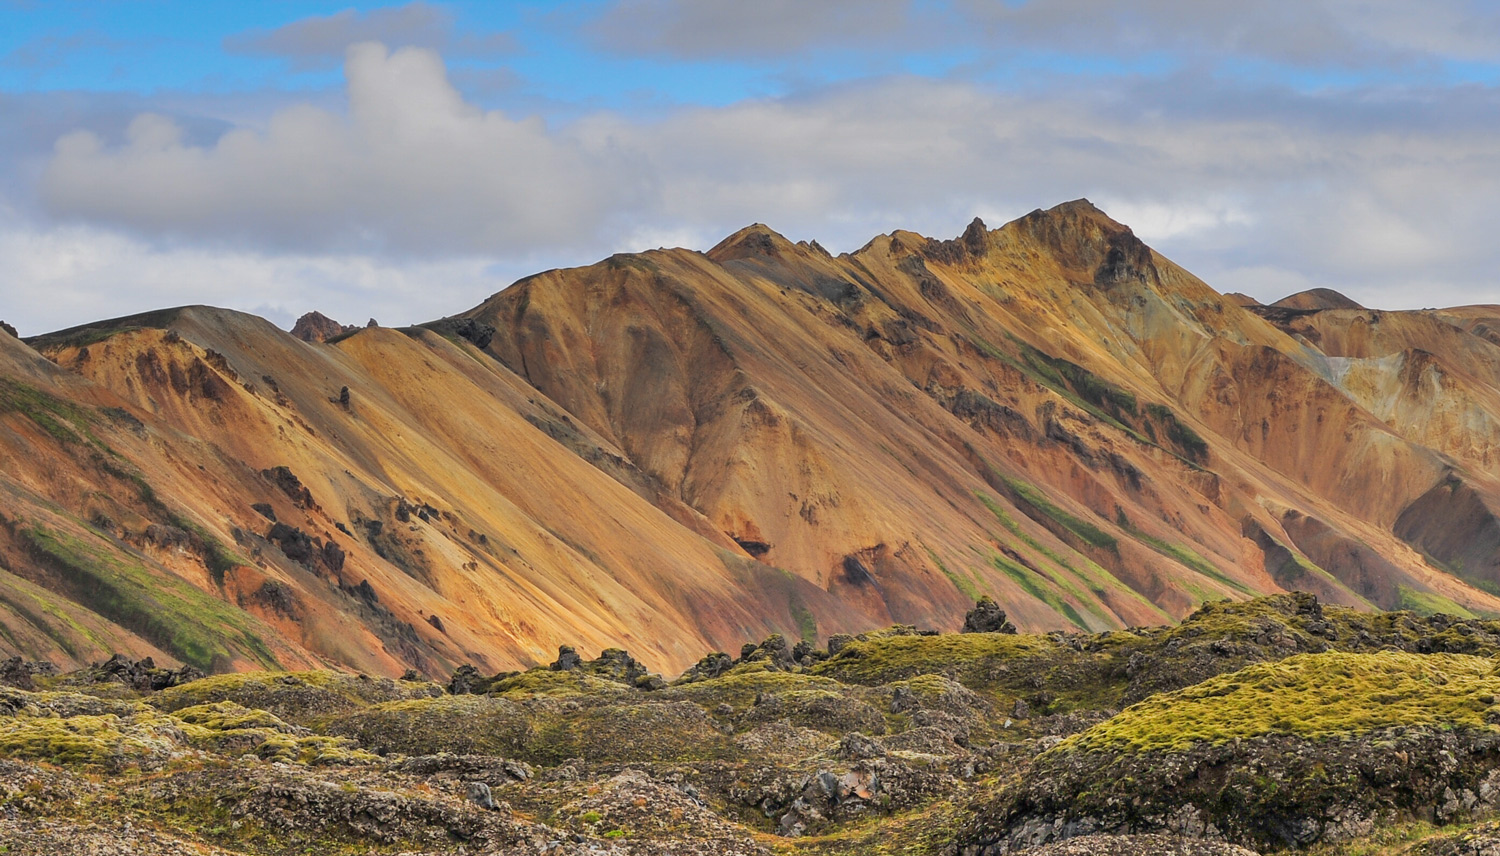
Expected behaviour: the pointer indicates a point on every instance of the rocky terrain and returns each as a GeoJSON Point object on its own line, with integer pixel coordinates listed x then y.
{"type": "Point", "coordinates": [1266, 726]}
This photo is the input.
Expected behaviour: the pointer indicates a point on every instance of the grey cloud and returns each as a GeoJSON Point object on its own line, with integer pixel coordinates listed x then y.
{"type": "Point", "coordinates": [1301, 32]}
{"type": "Point", "coordinates": [719, 29]}
{"type": "Point", "coordinates": [1305, 33]}
{"type": "Point", "coordinates": [320, 41]}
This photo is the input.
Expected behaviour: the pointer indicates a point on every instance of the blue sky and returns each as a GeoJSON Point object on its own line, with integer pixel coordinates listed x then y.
{"type": "Point", "coordinates": [405, 160]}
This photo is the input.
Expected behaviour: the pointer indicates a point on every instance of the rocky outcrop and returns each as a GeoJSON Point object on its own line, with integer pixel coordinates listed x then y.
{"type": "Point", "coordinates": [317, 327]}
{"type": "Point", "coordinates": [987, 617]}
{"type": "Point", "coordinates": [1272, 793]}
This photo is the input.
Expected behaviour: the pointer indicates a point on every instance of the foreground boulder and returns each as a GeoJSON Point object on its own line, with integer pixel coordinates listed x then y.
{"type": "Point", "coordinates": [987, 617]}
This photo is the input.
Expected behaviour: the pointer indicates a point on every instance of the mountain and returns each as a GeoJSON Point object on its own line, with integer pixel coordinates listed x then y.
{"type": "Point", "coordinates": [676, 451]}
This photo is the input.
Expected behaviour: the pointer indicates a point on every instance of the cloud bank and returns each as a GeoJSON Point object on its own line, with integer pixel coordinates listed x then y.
{"type": "Point", "coordinates": [1259, 184]}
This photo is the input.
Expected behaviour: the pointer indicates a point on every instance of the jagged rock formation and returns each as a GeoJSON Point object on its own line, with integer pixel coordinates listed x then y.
{"type": "Point", "coordinates": [317, 327]}
{"type": "Point", "coordinates": [674, 452]}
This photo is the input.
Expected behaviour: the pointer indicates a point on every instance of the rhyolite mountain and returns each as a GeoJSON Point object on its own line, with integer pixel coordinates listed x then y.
{"type": "Point", "coordinates": [676, 451]}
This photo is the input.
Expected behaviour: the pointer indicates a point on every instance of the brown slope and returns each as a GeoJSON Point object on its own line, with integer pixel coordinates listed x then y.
{"type": "Point", "coordinates": [454, 501]}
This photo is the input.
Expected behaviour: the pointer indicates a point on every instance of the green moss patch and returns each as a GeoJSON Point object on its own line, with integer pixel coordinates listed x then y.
{"type": "Point", "coordinates": [62, 420]}
{"type": "Point", "coordinates": [464, 725]}
{"type": "Point", "coordinates": [297, 697]}
{"type": "Point", "coordinates": [546, 682]}
{"type": "Point", "coordinates": [196, 628]}
{"type": "Point", "coordinates": [1309, 695]}
{"type": "Point", "coordinates": [739, 687]}
{"type": "Point", "coordinates": [231, 729]}
{"type": "Point", "coordinates": [108, 742]}
{"type": "Point", "coordinates": [969, 658]}
{"type": "Point", "coordinates": [1041, 509]}
{"type": "Point", "coordinates": [1430, 603]}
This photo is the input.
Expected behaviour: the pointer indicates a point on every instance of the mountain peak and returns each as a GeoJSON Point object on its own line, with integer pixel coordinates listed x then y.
{"type": "Point", "coordinates": [754, 241]}
{"type": "Point", "coordinates": [976, 236]}
{"type": "Point", "coordinates": [1085, 239]}
{"type": "Point", "coordinates": [1316, 299]}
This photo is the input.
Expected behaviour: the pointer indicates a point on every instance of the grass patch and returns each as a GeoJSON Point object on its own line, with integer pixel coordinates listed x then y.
{"type": "Point", "coordinates": [1187, 557]}
{"type": "Point", "coordinates": [1309, 695]}
{"type": "Point", "coordinates": [969, 658]}
{"type": "Point", "coordinates": [62, 420]}
{"type": "Point", "coordinates": [192, 626]}
{"type": "Point", "coordinates": [219, 559]}
{"type": "Point", "coordinates": [1033, 585]}
{"type": "Point", "coordinates": [1028, 496]}
{"type": "Point", "coordinates": [1429, 603]}
{"type": "Point", "coordinates": [1103, 395]}
{"type": "Point", "coordinates": [965, 586]}
{"type": "Point", "coordinates": [807, 623]}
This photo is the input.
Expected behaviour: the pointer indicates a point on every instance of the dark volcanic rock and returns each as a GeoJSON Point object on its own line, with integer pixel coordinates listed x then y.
{"type": "Point", "coordinates": [465, 680]}
{"type": "Point", "coordinates": [18, 673]}
{"type": "Point", "coordinates": [142, 675]}
{"type": "Point", "coordinates": [290, 485]}
{"type": "Point", "coordinates": [476, 333]}
{"type": "Point", "coordinates": [987, 617]}
{"type": "Point", "coordinates": [567, 659]}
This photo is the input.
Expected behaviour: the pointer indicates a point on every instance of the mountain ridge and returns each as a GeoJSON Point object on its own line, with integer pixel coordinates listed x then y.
{"type": "Point", "coordinates": [677, 450]}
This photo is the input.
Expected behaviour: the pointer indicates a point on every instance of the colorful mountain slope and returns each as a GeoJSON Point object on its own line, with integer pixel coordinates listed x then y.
{"type": "Point", "coordinates": [673, 450]}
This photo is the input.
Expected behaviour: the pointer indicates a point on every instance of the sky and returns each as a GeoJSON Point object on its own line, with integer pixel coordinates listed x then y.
{"type": "Point", "coordinates": [403, 161]}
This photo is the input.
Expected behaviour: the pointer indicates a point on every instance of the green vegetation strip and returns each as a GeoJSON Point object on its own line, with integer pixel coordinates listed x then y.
{"type": "Point", "coordinates": [62, 420]}
{"type": "Point", "coordinates": [1429, 603]}
{"type": "Point", "coordinates": [1189, 558]}
{"type": "Point", "coordinates": [1309, 695]}
{"type": "Point", "coordinates": [965, 585]}
{"type": "Point", "coordinates": [1028, 494]}
{"type": "Point", "coordinates": [190, 624]}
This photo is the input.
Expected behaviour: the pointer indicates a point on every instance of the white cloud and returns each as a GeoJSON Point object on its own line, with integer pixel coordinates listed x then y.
{"type": "Point", "coordinates": [69, 275]}
{"type": "Point", "coordinates": [412, 166]}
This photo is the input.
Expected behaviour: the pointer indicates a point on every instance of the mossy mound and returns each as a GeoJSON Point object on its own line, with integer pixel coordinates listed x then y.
{"type": "Point", "coordinates": [267, 809]}
{"type": "Point", "coordinates": [1269, 793]}
{"type": "Point", "coordinates": [15, 702]}
{"type": "Point", "coordinates": [1317, 747]}
{"type": "Point", "coordinates": [1309, 695]}
{"type": "Point", "coordinates": [739, 687]}
{"type": "Point", "coordinates": [462, 725]}
{"type": "Point", "coordinates": [674, 731]}
{"type": "Point", "coordinates": [974, 659]}
{"type": "Point", "coordinates": [230, 729]}
{"type": "Point", "coordinates": [297, 697]}
{"type": "Point", "coordinates": [829, 712]}
{"type": "Point", "coordinates": [229, 716]}
{"type": "Point", "coordinates": [547, 682]}
{"type": "Point", "coordinates": [112, 743]}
